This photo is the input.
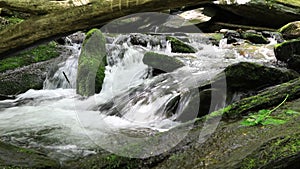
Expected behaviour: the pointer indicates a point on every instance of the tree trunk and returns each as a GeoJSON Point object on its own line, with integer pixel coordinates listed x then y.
{"type": "Point", "coordinates": [43, 28]}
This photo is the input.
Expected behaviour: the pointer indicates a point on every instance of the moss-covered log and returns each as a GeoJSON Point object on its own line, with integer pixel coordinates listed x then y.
{"type": "Point", "coordinates": [34, 7]}
{"type": "Point", "coordinates": [40, 29]}
{"type": "Point", "coordinates": [270, 13]}
{"type": "Point", "coordinates": [267, 98]}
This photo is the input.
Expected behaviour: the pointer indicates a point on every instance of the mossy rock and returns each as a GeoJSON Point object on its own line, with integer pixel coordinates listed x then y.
{"type": "Point", "coordinates": [255, 38]}
{"type": "Point", "coordinates": [91, 64]}
{"type": "Point", "coordinates": [291, 30]}
{"type": "Point", "coordinates": [28, 77]}
{"type": "Point", "coordinates": [246, 76]}
{"type": "Point", "coordinates": [162, 62]}
{"type": "Point", "coordinates": [16, 157]}
{"type": "Point", "coordinates": [179, 46]}
{"type": "Point", "coordinates": [289, 52]}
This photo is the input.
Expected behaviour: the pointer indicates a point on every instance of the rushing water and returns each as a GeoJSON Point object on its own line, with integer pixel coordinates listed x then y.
{"type": "Point", "coordinates": [59, 122]}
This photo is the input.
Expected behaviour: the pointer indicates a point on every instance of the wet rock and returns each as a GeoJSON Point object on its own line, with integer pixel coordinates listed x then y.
{"type": "Point", "coordinates": [16, 157]}
{"type": "Point", "coordinates": [179, 46]}
{"type": "Point", "coordinates": [91, 64]}
{"type": "Point", "coordinates": [232, 36]}
{"type": "Point", "coordinates": [289, 52]}
{"type": "Point", "coordinates": [77, 37]}
{"type": "Point", "coordinates": [255, 38]}
{"type": "Point", "coordinates": [162, 62]}
{"type": "Point", "coordinates": [246, 76]}
{"type": "Point", "coordinates": [144, 40]}
{"type": "Point", "coordinates": [291, 30]}
{"type": "Point", "coordinates": [201, 102]}
{"type": "Point", "coordinates": [25, 78]}
{"type": "Point", "coordinates": [277, 36]}
{"type": "Point", "coordinates": [5, 97]}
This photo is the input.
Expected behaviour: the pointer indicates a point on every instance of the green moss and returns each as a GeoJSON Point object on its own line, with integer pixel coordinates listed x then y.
{"type": "Point", "coordinates": [38, 54]}
{"type": "Point", "coordinates": [176, 157]}
{"type": "Point", "coordinates": [90, 33]}
{"type": "Point", "coordinates": [14, 20]}
{"type": "Point", "coordinates": [249, 164]}
{"type": "Point", "coordinates": [255, 38]}
{"type": "Point", "coordinates": [280, 148]}
{"type": "Point", "coordinates": [217, 36]}
{"type": "Point", "coordinates": [219, 112]}
{"type": "Point", "coordinates": [286, 43]}
{"type": "Point", "coordinates": [10, 21]}
{"type": "Point", "coordinates": [180, 47]}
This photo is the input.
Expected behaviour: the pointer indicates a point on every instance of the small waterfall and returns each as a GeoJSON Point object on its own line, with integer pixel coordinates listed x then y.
{"type": "Point", "coordinates": [64, 70]}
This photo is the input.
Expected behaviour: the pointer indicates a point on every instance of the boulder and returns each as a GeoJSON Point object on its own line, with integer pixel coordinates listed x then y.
{"type": "Point", "coordinates": [289, 52]}
{"type": "Point", "coordinates": [291, 30]}
{"type": "Point", "coordinates": [91, 64]}
{"type": "Point", "coordinates": [162, 62]}
{"type": "Point", "coordinates": [246, 76]}
{"type": "Point", "coordinates": [20, 80]}
{"type": "Point", "coordinates": [179, 46]}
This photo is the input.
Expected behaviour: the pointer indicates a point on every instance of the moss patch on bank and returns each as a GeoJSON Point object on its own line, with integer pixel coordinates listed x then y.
{"type": "Point", "coordinates": [38, 54]}
{"type": "Point", "coordinates": [8, 21]}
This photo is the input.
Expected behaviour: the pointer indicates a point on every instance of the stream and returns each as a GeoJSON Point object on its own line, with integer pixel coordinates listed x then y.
{"type": "Point", "coordinates": [132, 105]}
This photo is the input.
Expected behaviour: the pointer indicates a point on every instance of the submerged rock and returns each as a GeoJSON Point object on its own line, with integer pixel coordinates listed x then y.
{"type": "Point", "coordinates": [162, 62]}
{"type": "Point", "coordinates": [179, 46]}
{"type": "Point", "coordinates": [289, 52]}
{"type": "Point", "coordinates": [291, 30]}
{"type": "Point", "coordinates": [91, 64]}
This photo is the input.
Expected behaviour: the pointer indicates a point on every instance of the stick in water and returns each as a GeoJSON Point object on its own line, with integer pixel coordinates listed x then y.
{"type": "Point", "coordinates": [66, 78]}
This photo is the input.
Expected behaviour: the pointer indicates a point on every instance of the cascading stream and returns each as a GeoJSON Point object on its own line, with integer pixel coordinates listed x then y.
{"type": "Point", "coordinates": [62, 124]}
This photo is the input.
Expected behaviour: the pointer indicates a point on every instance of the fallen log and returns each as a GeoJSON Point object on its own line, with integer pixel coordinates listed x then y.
{"type": "Point", "coordinates": [40, 29]}
{"type": "Point", "coordinates": [40, 7]}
